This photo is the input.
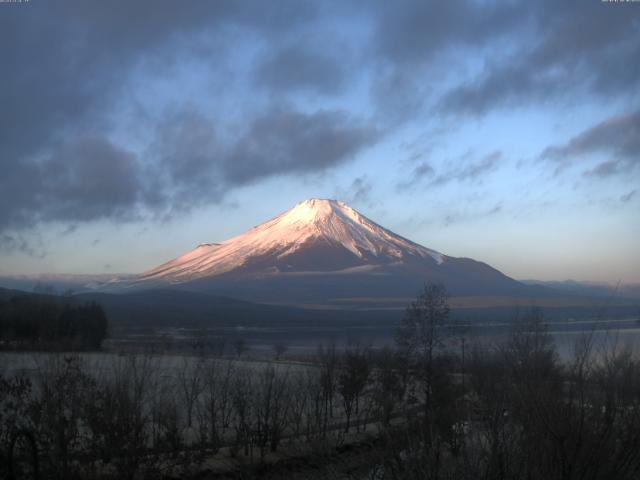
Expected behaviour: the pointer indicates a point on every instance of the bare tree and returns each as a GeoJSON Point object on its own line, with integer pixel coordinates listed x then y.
{"type": "Point", "coordinates": [309, 404]}
{"type": "Point", "coordinates": [218, 346]}
{"type": "Point", "coordinates": [389, 387]}
{"type": "Point", "coordinates": [58, 411]}
{"type": "Point", "coordinates": [328, 361]}
{"type": "Point", "coordinates": [490, 383]}
{"type": "Point", "coordinates": [421, 335]}
{"type": "Point", "coordinates": [240, 346]}
{"type": "Point", "coordinates": [241, 395]}
{"type": "Point", "coordinates": [279, 349]}
{"type": "Point", "coordinates": [201, 342]}
{"type": "Point", "coordinates": [216, 401]}
{"type": "Point", "coordinates": [118, 416]}
{"type": "Point", "coordinates": [353, 379]}
{"type": "Point", "coordinates": [271, 405]}
{"type": "Point", "coordinates": [190, 382]}
{"type": "Point", "coordinates": [301, 384]}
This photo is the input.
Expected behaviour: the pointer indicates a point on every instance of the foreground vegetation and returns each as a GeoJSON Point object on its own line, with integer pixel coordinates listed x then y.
{"type": "Point", "coordinates": [433, 407]}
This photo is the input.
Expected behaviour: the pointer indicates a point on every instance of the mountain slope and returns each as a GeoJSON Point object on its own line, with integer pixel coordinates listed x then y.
{"type": "Point", "coordinates": [315, 235]}
{"type": "Point", "coordinates": [324, 251]}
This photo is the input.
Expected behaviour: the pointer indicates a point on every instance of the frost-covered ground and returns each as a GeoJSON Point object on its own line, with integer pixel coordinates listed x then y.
{"type": "Point", "coordinates": [95, 363]}
{"type": "Point", "coordinates": [169, 349]}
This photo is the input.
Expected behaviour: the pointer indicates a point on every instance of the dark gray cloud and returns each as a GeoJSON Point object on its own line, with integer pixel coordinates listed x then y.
{"type": "Point", "coordinates": [185, 162]}
{"type": "Point", "coordinates": [290, 142]}
{"type": "Point", "coordinates": [89, 178]}
{"type": "Point", "coordinates": [191, 166]}
{"type": "Point", "coordinates": [65, 65]}
{"type": "Point", "coordinates": [299, 67]}
{"type": "Point", "coordinates": [415, 43]}
{"type": "Point", "coordinates": [572, 48]}
{"type": "Point", "coordinates": [64, 62]}
{"type": "Point", "coordinates": [617, 137]}
{"type": "Point", "coordinates": [85, 179]}
{"type": "Point", "coordinates": [414, 31]}
{"type": "Point", "coordinates": [541, 51]}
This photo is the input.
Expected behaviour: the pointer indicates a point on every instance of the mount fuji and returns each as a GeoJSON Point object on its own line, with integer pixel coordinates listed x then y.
{"type": "Point", "coordinates": [324, 253]}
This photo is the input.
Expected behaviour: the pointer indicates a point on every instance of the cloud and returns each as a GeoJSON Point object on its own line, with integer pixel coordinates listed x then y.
{"type": "Point", "coordinates": [419, 173]}
{"type": "Point", "coordinates": [567, 49]}
{"type": "Point", "coordinates": [67, 65]}
{"type": "Point", "coordinates": [604, 169]}
{"type": "Point", "coordinates": [617, 137]}
{"type": "Point", "coordinates": [194, 167]}
{"type": "Point", "coordinates": [30, 245]}
{"type": "Point", "coordinates": [470, 57]}
{"type": "Point", "coordinates": [361, 188]}
{"type": "Point", "coordinates": [184, 163]}
{"type": "Point", "coordinates": [628, 196]}
{"type": "Point", "coordinates": [283, 141]}
{"type": "Point", "coordinates": [359, 191]}
{"type": "Point", "coordinates": [434, 60]}
{"type": "Point", "coordinates": [84, 179]}
{"type": "Point", "coordinates": [300, 67]}
{"type": "Point", "coordinates": [417, 44]}
{"type": "Point", "coordinates": [414, 31]}
{"type": "Point", "coordinates": [466, 216]}
{"type": "Point", "coordinates": [191, 166]}
{"type": "Point", "coordinates": [466, 168]}
{"type": "Point", "coordinates": [469, 171]}
{"type": "Point", "coordinates": [90, 178]}
{"type": "Point", "coordinates": [70, 229]}
{"type": "Point", "coordinates": [185, 166]}
{"type": "Point", "coordinates": [69, 60]}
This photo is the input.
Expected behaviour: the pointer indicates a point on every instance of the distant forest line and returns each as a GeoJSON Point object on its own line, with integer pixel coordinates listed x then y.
{"type": "Point", "coordinates": [49, 322]}
{"type": "Point", "coordinates": [44, 321]}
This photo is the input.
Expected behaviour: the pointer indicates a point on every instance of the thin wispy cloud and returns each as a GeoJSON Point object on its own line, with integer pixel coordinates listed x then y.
{"type": "Point", "coordinates": [466, 168]}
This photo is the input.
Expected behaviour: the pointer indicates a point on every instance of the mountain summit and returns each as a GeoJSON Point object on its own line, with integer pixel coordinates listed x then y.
{"type": "Point", "coordinates": [323, 249]}
{"type": "Point", "coordinates": [315, 235]}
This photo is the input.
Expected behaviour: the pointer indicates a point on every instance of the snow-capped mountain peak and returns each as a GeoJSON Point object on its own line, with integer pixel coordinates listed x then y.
{"type": "Point", "coordinates": [315, 235]}
{"type": "Point", "coordinates": [317, 211]}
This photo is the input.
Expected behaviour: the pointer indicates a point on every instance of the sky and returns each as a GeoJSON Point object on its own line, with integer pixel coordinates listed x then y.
{"type": "Point", "coordinates": [508, 132]}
